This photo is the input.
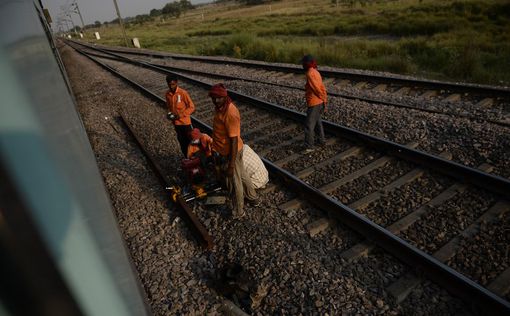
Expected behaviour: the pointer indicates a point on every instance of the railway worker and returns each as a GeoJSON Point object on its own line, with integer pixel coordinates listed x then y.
{"type": "Point", "coordinates": [316, 99]}
{"type": "Point", "coordinates": [200, 145]}
{"type": "Point", "coordinates": [254, 168]}
{"type": "Point", "coordinates": [228, 144]}
{"type": "Point", "coordinates": [180, 107]}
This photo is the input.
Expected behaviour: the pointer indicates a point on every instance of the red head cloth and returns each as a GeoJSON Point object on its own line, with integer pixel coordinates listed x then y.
{"type": "Point", "coordinates": [309, 62]}
{"type": "Point", "coordinates": [218, 91]}
{"type": "Point", "coordinates": [195, 134]}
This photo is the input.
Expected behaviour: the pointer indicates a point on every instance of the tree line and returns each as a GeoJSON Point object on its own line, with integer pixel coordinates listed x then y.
{"type": "Point", "coordinates": [247, 2]}
{"type": "Point", "coordinates": [171, 9]}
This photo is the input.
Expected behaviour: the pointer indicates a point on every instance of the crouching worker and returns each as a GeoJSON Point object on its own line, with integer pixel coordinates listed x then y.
{"type": "Point", "coordinates": [228, 144]}
{"type": "Point", "coordinates": [254, 168]}
{"type": "Point", "coordinates": [200, 146]}
{"type": "Point", "coordinates": [198, 166]}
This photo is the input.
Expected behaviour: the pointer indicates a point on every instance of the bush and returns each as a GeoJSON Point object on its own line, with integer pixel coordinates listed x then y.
{"type": "Point", "coordinates": [433, 38]}
{"type": "Point", "coordinates": [421, 27]}
{"type": "Point", "coordinates": [465, 63]}
{"type": "Point", "coordinates": [210, 33]}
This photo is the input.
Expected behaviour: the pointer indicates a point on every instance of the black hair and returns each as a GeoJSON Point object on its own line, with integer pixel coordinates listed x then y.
{"type": "Point", "coordinates": [307, 59]}
{"type": "Point", "coordinates": [171, 78]}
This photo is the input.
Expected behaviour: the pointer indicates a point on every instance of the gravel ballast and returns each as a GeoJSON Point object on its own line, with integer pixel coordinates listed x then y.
{"type": "Point", "coordinates": [297, 274]}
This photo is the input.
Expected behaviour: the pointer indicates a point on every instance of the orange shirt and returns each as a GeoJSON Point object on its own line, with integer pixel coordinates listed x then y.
{"type": "Point", "coordinates": [315, 91]}
{"type": "Point", "coordinates": [226, 125]}
{"type": "Point", "coordinates": [204, 145]}
{"type": "Point", "coordinates": [180, 103]}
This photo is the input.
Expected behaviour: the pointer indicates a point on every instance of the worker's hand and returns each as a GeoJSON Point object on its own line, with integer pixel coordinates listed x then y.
{"type": "Point", "coordinates": [171, 116]}
{"type": "Point", "coordinates": [176, 116]}
{"type": "Point", "coordinates": [230, 171]}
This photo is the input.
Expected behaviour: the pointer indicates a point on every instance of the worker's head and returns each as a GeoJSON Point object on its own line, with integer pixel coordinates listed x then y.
{"type": "Point", "coordinates": [219, 95]}
{"type": "Point", "coordinates": [195, 136]}
{"type": "Point", "coordinates": [308, 62]}
{"type": "Point", "coordinates": [171, 81]}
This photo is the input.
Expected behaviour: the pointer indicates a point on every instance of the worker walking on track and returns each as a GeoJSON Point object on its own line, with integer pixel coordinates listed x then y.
{"type": "Point", "coordinates": [316, 99]}
{"type": "Point", "coordinates": [228, 144]}
{"type": "Point", "coordinates": [180, 108]}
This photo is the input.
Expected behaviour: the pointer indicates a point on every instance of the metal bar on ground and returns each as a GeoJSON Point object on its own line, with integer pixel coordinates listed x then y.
{"type": "Point", "coordinates": [194, 223]}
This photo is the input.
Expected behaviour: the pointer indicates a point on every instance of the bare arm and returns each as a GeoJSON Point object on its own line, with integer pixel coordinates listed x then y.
{"type": "Point", "coordinates": [168, 102]}
{"type": "Point", "coordinates": [233, 155]}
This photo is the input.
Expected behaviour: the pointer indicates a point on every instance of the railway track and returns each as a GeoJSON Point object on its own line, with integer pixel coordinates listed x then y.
{"type": "Point", "coordinates": [369, 175]}
{"type": "Point", "coordinates": [473, 102]}
{"type": "Point", "coordinates": [471, 141]}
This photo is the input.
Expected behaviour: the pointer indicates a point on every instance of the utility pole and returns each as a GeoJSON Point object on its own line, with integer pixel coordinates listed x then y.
{"type": "Point", "coordinates": [72, 22]}
{"type": "Point", "coordinates": [120, 22]}
{"type": "Point", "coordinates": [79, 13]}
{"type": "Point", "coordinates": [60, 26]}
{"type": "Point", "coordinates": [67, 25]}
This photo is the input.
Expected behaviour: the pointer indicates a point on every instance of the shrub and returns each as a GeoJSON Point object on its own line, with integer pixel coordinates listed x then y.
{"type": "Point", "coordinates": [210, 32]}
{"type": "Point", "coordinates": [464, 63]}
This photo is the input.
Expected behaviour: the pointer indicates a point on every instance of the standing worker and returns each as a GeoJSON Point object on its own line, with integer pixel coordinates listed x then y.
{"type": "Point", "coordinates": [316, 99]}
{"type": "Point", "coordinates": [180, 108]}
{"type": "Point", "coordinates": [228, 144]}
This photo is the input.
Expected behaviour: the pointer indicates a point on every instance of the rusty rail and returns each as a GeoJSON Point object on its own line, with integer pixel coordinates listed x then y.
{"type": "Point", "coordinates": [197, 228]}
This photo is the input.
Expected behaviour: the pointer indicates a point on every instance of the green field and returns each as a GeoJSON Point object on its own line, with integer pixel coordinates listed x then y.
{"type": "Point", "coordinates": [440, 39]}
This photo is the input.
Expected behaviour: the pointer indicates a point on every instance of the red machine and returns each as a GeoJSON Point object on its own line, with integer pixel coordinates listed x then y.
{"type": "Point", "coordinates": [199, 184]}
{"type": "Point", "coordinates": [193, 169]}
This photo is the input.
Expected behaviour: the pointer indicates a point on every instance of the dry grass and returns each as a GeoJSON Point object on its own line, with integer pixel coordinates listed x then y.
{"type": "Point", "coordinates": [443, 39]}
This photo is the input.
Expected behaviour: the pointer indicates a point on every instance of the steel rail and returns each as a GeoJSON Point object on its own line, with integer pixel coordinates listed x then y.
{"type": "Point", "coordinates": [455, 170]}
{"type": "Point", "coordinates": [228, 77]}
{"type": "Point", "coordinates": [335, 94]}
{"type": "Point", "coordinates": [197, 228]}
{"type": "Point", "coordinates": [479, 298]}
{"type": "Point", "coordinates": [430, 84]}
{"type": "Point", "coordinates": [340, 95]}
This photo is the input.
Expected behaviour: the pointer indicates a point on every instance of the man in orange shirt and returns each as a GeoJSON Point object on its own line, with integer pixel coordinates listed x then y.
{"type": "Point", "coordinates": [228, 144]}
{"type": "Point", "coordinates": [316, 99]}
{"type": "Point", "coordinates": [201, 144]}
{"type": "Point", "coordinates": [180, 108]}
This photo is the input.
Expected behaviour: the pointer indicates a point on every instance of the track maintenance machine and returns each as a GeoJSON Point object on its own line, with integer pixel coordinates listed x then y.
{"type": "Point", "coordinates": [199, 169]}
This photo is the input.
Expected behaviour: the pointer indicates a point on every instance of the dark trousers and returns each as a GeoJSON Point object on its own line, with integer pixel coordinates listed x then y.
{"type": "Point", "coordinates": [183, 136]}
{"type": "Point", "coordinates": [313, 122]}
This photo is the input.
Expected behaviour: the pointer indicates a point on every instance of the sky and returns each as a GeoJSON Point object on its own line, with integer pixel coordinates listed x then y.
{"type": "Point", "coordinates": [104, 10]}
